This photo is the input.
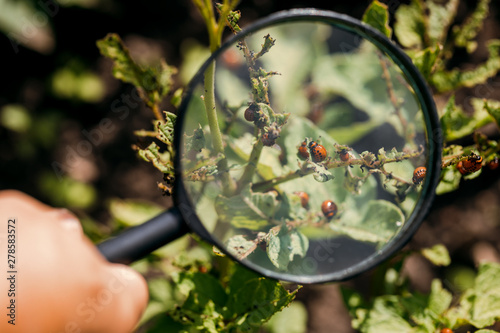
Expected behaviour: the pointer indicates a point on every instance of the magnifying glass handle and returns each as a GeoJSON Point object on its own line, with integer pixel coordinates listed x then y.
{"type": "Point", "coordinates": [135, 243]}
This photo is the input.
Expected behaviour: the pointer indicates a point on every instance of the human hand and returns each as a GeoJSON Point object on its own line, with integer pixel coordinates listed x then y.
{"type": "Point", "coordinates": [61, 282]}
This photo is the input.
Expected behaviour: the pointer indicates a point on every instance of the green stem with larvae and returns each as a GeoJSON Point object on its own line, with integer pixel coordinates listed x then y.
{"type": "Point", "coordinates": [268, 184]}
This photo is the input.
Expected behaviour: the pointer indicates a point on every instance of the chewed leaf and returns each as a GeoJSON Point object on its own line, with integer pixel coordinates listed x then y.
{"type": "Point", "coordinates": [440, 18]}
{"type": "Point", "coordinates": [456, 124]}
{"type": "Point", "coordinates": [377, 16]}
{"type": "Point", "coordinates": [386, 316]}
{"type": "Point", "coordinates": [466, 33]}
{"type": "Point", "coordinates": [196, 141]}
{"type": "Point", "coordinates": [166, 130]}
{"type": "Point", "coordinates": [282, 247]}
{"type": "Point", "coordinates": [239, 246]}
{"type": "Point", "coordinates": [247, 210]}
{"type": "Point", "coordinates": [153, 82]}
{"type": "Point", "coordinates": [256, 301]}
{"type": "Point", "coordinates": [451, 80]}
{"type": "Point", "coordinates": [321, 174]}
{"type": "Point", "coordinates": [161, 160]}
{"type": "Point", "coordinates": [450, 180]}
{"type": "Point", "coordinates": [438, 255]}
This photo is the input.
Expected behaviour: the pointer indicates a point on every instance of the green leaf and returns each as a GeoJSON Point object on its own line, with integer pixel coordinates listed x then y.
{"type": "Point", "coordinates": [153, 82]}
{"type": "Point", "coordinates": [438, 255]}
{"type": "Point", "coordinates": [465, 33]}
{"type": "Point", "coordinates": [386, 316]}
{"type": "Point", "coordinates": [493, 108]}
{"type": "Point", "coordinates": [247, 210]}
{"type": "Point", "coordinates": [445, 81]}
{"type": "Point", "coordinates": [133, 212]}
{"type": "Point", "coordinates": [425, 60]}
{"type": "Point", "coordinates": [160, 291]}
{"type": "Point", "coordinates": [439, 299]}
{"type": "Point", "coordinates": [379, 222]}
{"type": "Point", "coordinates": [440, 18]}
{"type": "Point", "coordinates": [205, 286]}
{"type": "Point", "coordinates": [456, 124]}
{"type": "Point", "coordinates": [485, 296]}
{"type": "Point", "coordinates": [239, 246]}
{"type": "Point", "coordinates": [256, 301]}
{"type": "Point", "coordinates": [284, 246]}
{"type": "Point", "coordinates": [352, 133]}
{"type": "Point", "coordinates": [153, 309]}
{"type": "Point", "coordinates": [239, 276]}
{"type": "Point", "coordinates": [377, 16]}
{"type": "Point", "coordinates": [486, 331]}
{"type": "Point", "coordinates": [196, 141]}
{"type": "Point", "coordinates": [292, 319]}
{"type": "Point", "coordinates": [161, 160]}
{"type": "Point", "coordinates": [166, 130]}
{"type": "Point", "coordinates": [204, 301]}
{"type": "Point", "coordinates": [409, 26]}
{"type": "Point", "coordinates": [450, 180]}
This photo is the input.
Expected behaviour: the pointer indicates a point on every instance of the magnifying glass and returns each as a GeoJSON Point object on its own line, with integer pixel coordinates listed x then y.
{"type": "Point", "coordinates": [305, 149]}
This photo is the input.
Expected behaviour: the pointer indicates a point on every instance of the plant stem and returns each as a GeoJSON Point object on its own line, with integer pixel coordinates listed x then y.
{"type": "Point", "coordinates": [265, 185]}
{"type": "Point", "coordinates": [252, 164]}
{"type": "Point", "coordinates": [211, 108]}
{"type": "Point", "coordinates": [213, 123]}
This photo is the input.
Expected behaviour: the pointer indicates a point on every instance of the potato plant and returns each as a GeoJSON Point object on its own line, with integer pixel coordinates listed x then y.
{"type": "Point", "coordinates": [258, 189]}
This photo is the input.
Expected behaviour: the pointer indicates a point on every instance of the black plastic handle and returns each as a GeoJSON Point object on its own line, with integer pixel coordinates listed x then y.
{"type": "Point", "coordinates": [135, 243]}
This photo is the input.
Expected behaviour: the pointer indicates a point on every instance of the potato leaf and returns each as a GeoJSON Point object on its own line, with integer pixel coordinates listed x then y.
{"type": "Point", "coordinates": [386, 316]}
{"type": "Point", "coordinates": [456, 124]}
{"type": "Point", "coordinates": [484, 298]}
{"type": "Point", "coordinates": [247, 210]}
{"type": "Point", "coordinates": [378, 222]}
{"type": "Point", "coordinates": [426, 59]}
{"type": "Point", "coordinates": [377, 16]}
{"type": "Point", "coordinates": [445, 81]}
{"type": "Point", "coordinates": [439, 299]}
{"type": "Point", "coordinates": [254, 301]}
{"type": "Point", "coordinates": [161, 160]}
{"type": "Point", "coordinates": [440, 18]}
{"type": "Point", "coordinates": [153, 82]}
{"type": "Point", "coordinates": [283, 246]}
{"type": "Point", "coordinates": [493, 108]}
{"type": "Point", "coordinates": [465, 34]}
{"type": "Point", "coordinates": [410, 27]}
{"type": "Point", "coordinates": [438, 255]}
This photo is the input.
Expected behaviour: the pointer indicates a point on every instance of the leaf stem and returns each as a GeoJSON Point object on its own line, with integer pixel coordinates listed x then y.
{"type": "Point", "coordinates": [156, 111]}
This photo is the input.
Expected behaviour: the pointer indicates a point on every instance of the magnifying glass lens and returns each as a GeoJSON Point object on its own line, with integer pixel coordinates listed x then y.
{"type": "Point", "coordinates": [305, 150]}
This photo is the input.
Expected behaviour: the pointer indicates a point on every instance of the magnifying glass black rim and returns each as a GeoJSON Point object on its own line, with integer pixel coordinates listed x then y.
{"type": "Point", "coordinates": [183, 201]}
